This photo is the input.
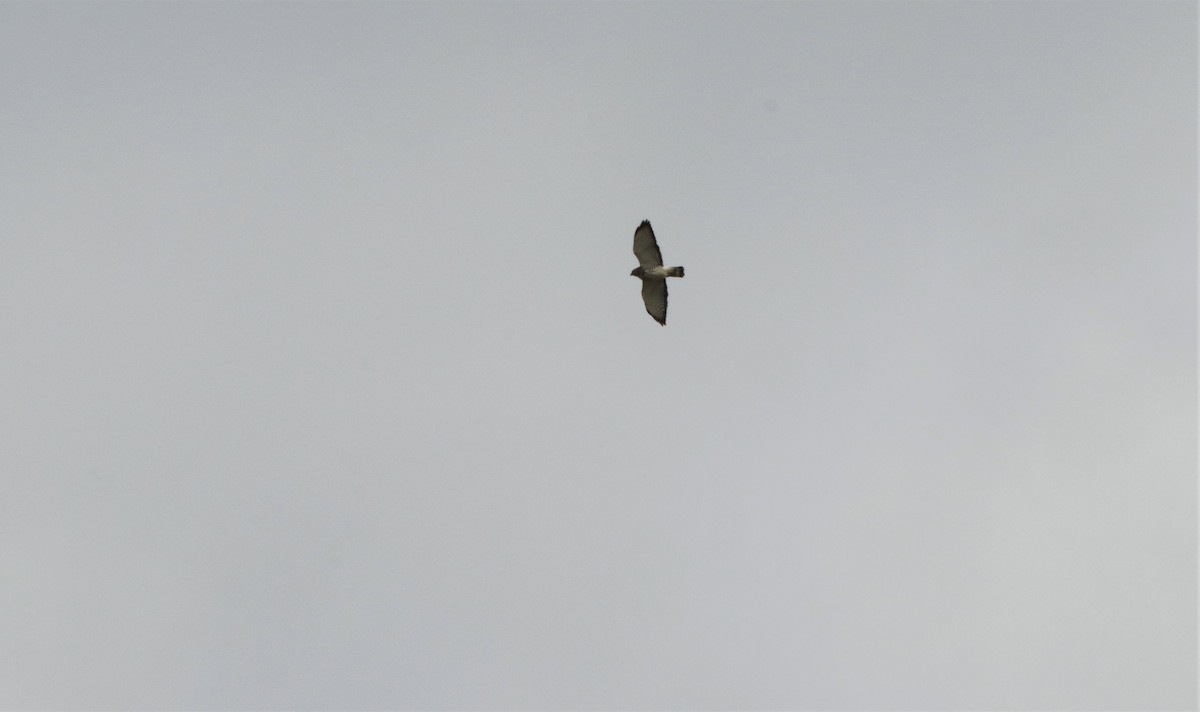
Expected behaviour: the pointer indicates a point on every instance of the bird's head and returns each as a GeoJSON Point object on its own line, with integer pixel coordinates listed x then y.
{"type": "Point", "coordinates": [637, 272]}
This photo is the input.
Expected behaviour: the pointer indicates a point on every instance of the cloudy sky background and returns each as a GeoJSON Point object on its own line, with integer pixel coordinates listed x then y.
{"type": "Point", "coordinates": [324, 384]}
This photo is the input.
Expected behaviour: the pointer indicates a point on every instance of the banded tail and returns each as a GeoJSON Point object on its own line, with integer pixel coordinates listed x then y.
{"type": "Point", "coordinates": [675, 272]}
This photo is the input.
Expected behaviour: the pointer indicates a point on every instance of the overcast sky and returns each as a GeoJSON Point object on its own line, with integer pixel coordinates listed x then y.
{"type": "Point", "coordinates": [324, 383]}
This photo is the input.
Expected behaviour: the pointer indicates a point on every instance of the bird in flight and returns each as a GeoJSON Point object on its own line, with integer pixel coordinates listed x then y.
{"type": "Point", "coordinates": [652, 273]}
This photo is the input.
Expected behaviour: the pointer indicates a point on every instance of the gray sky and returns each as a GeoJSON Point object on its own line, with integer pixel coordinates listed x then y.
{"type": "Point", "coordinates": [325, 384]}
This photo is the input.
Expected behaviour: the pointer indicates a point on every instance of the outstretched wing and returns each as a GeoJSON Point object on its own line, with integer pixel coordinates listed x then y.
{"type": "Point", "coordinates": [654, 294]}
{"type": "Point", "coordinates": [645, 248]}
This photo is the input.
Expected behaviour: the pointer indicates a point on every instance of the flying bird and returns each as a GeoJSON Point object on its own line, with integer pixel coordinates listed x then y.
{"type": "Point", "coordinates": [652, 273]}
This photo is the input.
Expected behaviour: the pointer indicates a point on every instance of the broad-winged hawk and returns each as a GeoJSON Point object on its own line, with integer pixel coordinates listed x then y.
{"type": "Point", "coordinates": [652, 273]}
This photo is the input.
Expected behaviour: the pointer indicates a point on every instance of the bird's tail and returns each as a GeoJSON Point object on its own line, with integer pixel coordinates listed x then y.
{"type": "Point", "coordinates": [675, 272]}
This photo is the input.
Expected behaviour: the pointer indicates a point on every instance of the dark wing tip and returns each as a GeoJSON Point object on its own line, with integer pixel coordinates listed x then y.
{"type": "Point", "coordinates": [645, 223]}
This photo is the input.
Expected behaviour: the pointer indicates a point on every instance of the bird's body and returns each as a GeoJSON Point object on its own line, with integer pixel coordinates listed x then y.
{"type": "Point", "coordinates": [652, 272]}
{"type": "Point", "coordinates": [658, 272]}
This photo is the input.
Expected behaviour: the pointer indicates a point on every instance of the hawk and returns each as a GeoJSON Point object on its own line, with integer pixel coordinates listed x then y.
{"type": "Point", "coordinates": [652, 273]}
